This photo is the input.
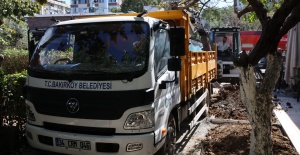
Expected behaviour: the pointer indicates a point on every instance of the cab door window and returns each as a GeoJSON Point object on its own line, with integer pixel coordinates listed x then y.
{"type": "Point", "coordinates": [162, 52]}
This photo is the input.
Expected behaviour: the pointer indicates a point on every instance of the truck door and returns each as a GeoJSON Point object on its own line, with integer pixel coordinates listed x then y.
{"type": "Point", "coordinates": [165, 98]}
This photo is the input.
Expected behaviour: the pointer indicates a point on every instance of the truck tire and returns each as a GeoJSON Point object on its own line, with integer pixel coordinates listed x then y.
{"type": "Point", "coordinates": [169, 147]}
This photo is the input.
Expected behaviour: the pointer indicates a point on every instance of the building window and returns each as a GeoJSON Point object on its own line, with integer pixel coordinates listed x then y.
{"type": "Point", "coordinates": [101, 1]}
{"type": "Point", "coordinates": [112, 1]}
{"type": "Point", "coordinates": [82, 2]}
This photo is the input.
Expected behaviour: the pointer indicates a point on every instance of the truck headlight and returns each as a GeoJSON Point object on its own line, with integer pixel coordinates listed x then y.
{"type": "Point", "coordinates": [29, 113]}
{"type": "Point", "coordinates": [140, 120]}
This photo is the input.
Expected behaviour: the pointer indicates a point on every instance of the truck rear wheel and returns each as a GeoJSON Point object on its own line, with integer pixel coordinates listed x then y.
{"type": "Point", "coordinates": [169, 148]}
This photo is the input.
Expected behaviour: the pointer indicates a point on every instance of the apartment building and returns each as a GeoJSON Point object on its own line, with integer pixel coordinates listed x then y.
{"type": "Point", "coordinates": [55, 7]}
{"type": "Point", "coordinates": [94, 6]}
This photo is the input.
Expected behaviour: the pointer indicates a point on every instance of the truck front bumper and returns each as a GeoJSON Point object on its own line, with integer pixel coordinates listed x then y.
{"type": "Point", "coordinates": [43, 139]}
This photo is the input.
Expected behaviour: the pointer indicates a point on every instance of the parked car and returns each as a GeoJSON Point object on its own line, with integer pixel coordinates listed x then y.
{"type": "Point", "coordinates": [262, 63]}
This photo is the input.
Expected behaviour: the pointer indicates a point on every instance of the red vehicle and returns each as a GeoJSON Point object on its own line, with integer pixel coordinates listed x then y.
{"type": "Point", "coordinates": [250, 38]}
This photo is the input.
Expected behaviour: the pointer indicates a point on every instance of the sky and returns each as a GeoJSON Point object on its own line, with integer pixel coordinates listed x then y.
{"type": "Point", "coordinates": [225, 4]}
{"type": "Point", "coordinates": [68, 2]}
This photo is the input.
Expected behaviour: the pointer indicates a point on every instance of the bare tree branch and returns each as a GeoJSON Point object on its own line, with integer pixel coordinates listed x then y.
{"type": "Point", "coordinates": [273, 32]}
{"type": "Point", "coordinates": [189, 4]}
{"type": "Point", "coordinates": [291, 20]}
{"type": "Point", "coordinates": [260, 11]}
{"type": "Point", "coordinates": [244, 11]}
{"type": "Point", "coordinates": [192, 3]}
{"type": "Point", "coordinates": [283, 12]}
{"type": "Point", "coordinates": [204, 4]}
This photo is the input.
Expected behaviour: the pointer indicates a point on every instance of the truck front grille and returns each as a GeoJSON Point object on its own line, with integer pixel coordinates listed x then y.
{"type": "Point", "coordinates": [100, 105]}
{"type": "Point", "coordinates": [79, 129]}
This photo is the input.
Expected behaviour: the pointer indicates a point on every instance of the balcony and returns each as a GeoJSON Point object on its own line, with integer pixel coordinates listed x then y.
{"type": "Point", "coordinates": [80, 6]}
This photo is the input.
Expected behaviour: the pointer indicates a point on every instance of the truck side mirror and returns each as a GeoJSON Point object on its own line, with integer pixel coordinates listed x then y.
{"type": "Point", "coordinates": [177, 41]}
{"type": "Point", "coordinates": [174, 64]}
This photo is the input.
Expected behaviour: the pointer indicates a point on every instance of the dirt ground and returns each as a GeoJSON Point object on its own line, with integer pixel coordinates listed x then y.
{"type": "Point", "coordinates": [234, 138]}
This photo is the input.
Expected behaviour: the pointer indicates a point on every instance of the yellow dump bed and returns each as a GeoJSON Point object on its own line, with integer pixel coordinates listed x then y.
{"type": "Point", "coordinates": [198, 68]}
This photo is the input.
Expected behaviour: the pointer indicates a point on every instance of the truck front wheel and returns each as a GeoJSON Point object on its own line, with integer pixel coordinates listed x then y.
{"type": "Point", "coordinates": [169, 148]}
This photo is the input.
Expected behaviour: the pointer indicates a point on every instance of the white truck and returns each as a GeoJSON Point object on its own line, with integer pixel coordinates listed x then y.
{"type": "Point", "coordinates": [118, 84]}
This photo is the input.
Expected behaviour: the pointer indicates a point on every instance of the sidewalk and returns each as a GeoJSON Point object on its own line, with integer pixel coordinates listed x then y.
{"type": "Point", "coordinates": [288, 114]}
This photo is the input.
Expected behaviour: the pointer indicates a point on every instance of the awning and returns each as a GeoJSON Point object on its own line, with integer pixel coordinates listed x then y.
{"type": "Point", "coordinates": [292, 64]}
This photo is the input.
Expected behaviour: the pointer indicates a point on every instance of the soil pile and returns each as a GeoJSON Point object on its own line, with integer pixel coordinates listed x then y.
{"type": "Point", "coordinates": [227, 104]}
{"type": "Point", "coordinates": [234, 138]}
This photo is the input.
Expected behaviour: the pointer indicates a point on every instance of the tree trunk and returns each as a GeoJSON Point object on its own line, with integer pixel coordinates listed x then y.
{"type": "Point", "coordinates": [258, 102]}
{"type": "Point", "coordinates": [205, 40]}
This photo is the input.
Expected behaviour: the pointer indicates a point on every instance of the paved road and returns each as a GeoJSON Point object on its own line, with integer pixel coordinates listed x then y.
{"type": "Point", "coordinates": [288, 114]}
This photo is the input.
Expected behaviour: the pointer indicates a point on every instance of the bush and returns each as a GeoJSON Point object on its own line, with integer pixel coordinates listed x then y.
{"type": "Point", "coordinates": [12, 110]}
{"type": "Point", "coordinates": [11, 89]}
{"type": "Point", "coordinates": [15, 60]}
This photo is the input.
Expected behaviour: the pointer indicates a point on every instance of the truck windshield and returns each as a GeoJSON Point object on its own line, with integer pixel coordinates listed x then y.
{"type": "Point", "coordinates": [93, 48]}
{"type": "Point", "coordinates": [228, 45]}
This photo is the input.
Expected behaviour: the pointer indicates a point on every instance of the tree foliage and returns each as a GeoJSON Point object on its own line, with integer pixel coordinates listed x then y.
{"type": "Point", "coordinates": [115, 10]}
{"type": "Point", "coordinates": [15, 10]}
{"type": "Point", "coordinates": [221, 17]}
{"type": "Point", "coordinates": [15, 35]}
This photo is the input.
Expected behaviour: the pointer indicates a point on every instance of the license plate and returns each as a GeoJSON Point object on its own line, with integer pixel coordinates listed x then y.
{"type": "Point", "coordinates": [75, 144]}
